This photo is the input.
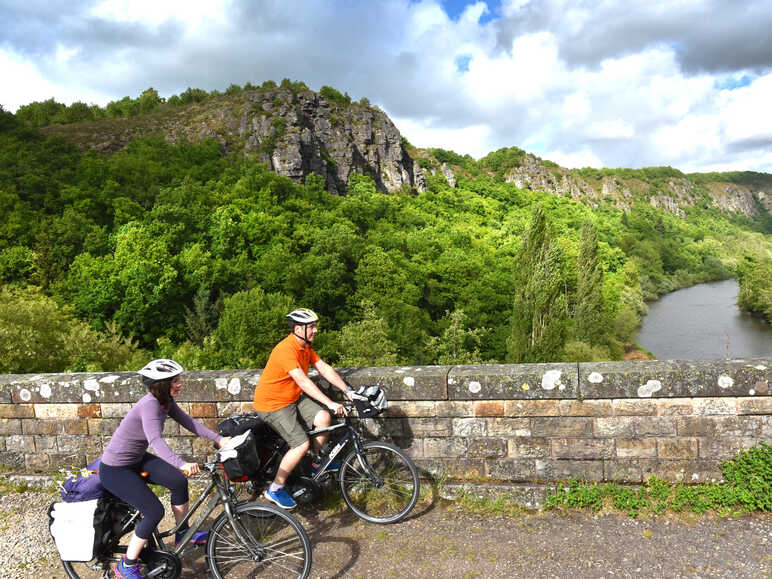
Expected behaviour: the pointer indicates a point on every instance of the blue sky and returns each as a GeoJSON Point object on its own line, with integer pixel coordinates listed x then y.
{"type": "Point", "coordinates": [580, 82]}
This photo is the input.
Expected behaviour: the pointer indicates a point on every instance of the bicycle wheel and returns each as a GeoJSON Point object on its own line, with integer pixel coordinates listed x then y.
{"type": "Point", "coordinates": [278, 544]}
{"type": "Point", "coordinates": [383, 486]}
{"type": "Point", "coordinates": [90, 570]}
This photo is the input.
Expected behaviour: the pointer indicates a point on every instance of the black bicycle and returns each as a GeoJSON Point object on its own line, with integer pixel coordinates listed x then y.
{"type": "Point", "coordinates": [378, 480]}
{"type": "Point", "coordinates": [247, 539]}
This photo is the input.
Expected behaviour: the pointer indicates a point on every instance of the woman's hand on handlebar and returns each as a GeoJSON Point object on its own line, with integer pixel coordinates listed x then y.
{"type": "Point", "coordinates": [190, 468]}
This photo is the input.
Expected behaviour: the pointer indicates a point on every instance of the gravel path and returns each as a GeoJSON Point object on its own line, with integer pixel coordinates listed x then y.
{"type": "Point", "coordinates": [443, 541]}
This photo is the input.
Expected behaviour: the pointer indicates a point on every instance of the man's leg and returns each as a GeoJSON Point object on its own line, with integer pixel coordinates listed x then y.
{"type": "Point", "coordinates": [314, 416]}
{"type": "Point", "coordinates": [289, 461]}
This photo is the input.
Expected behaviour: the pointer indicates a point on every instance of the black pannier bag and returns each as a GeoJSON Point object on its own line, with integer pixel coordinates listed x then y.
{"type": "Point", "coordinates": [239, 457]}
{"type": "Point", "coordinates": [240, 423]}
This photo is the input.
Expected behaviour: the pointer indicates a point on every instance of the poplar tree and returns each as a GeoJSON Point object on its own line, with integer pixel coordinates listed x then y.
{"type": "Point", "coordinates": [590, 320]}
{"type": "Point", "coordinates": [539, 317]}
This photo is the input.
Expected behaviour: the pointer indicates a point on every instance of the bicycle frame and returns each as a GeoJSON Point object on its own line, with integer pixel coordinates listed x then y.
{"type": "Point", "coordinates": [350, 435]}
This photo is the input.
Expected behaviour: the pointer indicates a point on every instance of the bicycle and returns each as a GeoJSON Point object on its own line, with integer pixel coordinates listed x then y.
{"type": "Point", "coordinates": [247, 538]}
{"type": "Point", "coordinates": [378, 480]}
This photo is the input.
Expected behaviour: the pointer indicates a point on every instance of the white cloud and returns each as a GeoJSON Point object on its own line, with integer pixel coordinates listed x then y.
{"type": "Point", "coordinates": [745, 112]}
{"type": "Point", "coordinates": [469, 140]}
{"type": "Point", "coordinates": [575, 159]}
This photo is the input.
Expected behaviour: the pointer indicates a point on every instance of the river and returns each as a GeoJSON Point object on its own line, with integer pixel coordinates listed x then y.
{"type": "Point", "coordinates": [703, 322]}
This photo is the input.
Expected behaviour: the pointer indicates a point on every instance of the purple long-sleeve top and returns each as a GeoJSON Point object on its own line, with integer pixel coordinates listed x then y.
{"type": "Point", "coordinates": [143, 426]}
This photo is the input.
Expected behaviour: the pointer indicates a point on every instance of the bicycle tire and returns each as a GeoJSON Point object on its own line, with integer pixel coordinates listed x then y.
{"type": "Point", "coordinates": [386, 502]}
{"type": "Point", "coordinates": [287, 548]}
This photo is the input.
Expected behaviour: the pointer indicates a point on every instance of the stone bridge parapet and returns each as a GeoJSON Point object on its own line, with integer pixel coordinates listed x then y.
{"type": "Point", "coordinates": [522, 424]}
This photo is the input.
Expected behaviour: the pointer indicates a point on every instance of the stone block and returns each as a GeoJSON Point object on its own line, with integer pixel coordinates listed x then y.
{"type": "Point", "coordinates": [532, 408]}
{"type": "Point", "coordinates": [233, 408]}
{"type": "Point", "coordinates": [724, 447]}
{"type": "Point", "coordinates": [10, 426]}
{"type": "Point", "coordinates": [469, 426]}
{"type": "Point", "coordinates": [67, 461]}
{"type": "Point", "coordinates": [79, 444]}
{"type": "Point", "coordinates": [181, 445]}
{"type": "Point", "coordinates": [17, 411]}
{"type": "Point", "coordinates": [115, 409]}
{"type": "Point", "coordinates": [37, 462]}
{"type": "Point", "coordinates": [428, 426]}
{"type": "Point", "coordinates": [405, 382]}
{"type": "Point", "coordinates": [636, 447]}
{"type": "Point", "coordinates": [103, 425]}
{"type": "Point", "coordinates": [635, 407]}
{"type": "Point", "coordinates": [672, 378]}
{"type": "Point", "coordinates": [172, 428]}
{"type": "Point", "coordinates": [755, 405]}
{"type": "Point", "coordinates": [656, 426]}
{"type": "Point", "coordinates": [586, 408]}
{"type": "Point", "coordinates": [486, 447]}
{"type": "Point", "coordinates": [512, 381]}
{"type": "Point", "coordinates": [445, 447]}
{"type": "Point", "coordinates": [12, 459]}
{"type": "Point", "coordinates": [489, 408]}
{"type": "Point", "coordinates": [582, 448]}
{"type": "Point", "coordinates": [512, 470]}
{"type": "Point", "coordinates": [56, 410]}
{"type": "Point", "coordinates": [203, 447]}
{"type": "Point", "coordinates": [675, 407]}
{"type": "Point", "coordinates": [397, 427]}
{"type": "Point", "coordinates": [508, 427]}
{"type": "Point", "coordinates": [92, 410]}
{"type": "Point", "coordinates": [20, 443]}
{"type": "Point", "coordinates": [414, 447]}
{"type": "Point", "coordinates": [739, 425]}
{"type": "Point", "coordinates": [622, 471]}
{"type": "Point", "coordinates": [677, 448]}
{"type": "Point", "coordinates": [614, 426]}
{"type": "Point", "coordinates": [203, 410]}
{"type": "Point", "coordinates": [563, 470]}
{"type": "Point", "coordinates": [686, 471]}
{"type": "Point", "coordinates": [563, 427]}
{"type": "Point", "coordinates": [457, 469]}
{"type": "Point", "coordinates": [528, 447]}
{"type": "Point", "coordinates": [412, 409]}
{"type": "Point", "coordinates": [219, 386]}
{"type": "Point", "coordinates": [455, 408]}
{"type": "Point", "coordinates": [45, 443]}
{"type": "Point", "coordinates": [715, 406]}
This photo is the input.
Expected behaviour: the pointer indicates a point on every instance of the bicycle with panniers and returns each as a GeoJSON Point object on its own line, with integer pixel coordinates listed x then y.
{"type": "Point", "coordinates": [378, 480]}
{"type": "Point", "coordinates": [247, 539]}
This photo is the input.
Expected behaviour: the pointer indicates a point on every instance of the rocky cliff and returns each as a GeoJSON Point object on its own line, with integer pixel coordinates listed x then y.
{"type": "Point", "coordinates": [295, 132]}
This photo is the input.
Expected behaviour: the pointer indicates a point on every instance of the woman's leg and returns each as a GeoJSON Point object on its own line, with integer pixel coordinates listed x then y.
{"type": "Point", "coordinates": [126, 483]}
{"type": "Point", "coordinates": [162, 473]}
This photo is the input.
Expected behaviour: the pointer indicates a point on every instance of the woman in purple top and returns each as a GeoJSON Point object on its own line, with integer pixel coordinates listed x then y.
{"type": "Point", "coordinates": [126, 457]}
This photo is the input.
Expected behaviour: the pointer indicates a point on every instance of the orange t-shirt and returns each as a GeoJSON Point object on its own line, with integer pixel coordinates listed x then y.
{"type": "Point", "coordinates": [276, 387]}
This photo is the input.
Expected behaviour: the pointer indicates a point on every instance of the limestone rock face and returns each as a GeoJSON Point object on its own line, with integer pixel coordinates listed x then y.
{"type": "Point", "coordinates": [672, 196]}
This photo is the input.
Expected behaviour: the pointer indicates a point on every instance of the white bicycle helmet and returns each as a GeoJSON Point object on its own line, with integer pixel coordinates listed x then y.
{"type": "Point", "coordinates": [161, 369]}
{"type": "Point", "coordinates": [302, 316]}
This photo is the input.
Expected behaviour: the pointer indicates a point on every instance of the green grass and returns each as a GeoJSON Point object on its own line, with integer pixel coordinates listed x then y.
{"type": "Point", "coordinates": [747, 488]}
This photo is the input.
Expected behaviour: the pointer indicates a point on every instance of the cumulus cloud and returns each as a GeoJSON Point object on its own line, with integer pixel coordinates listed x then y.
{"type": "Point", "coordinates": [576, 81]}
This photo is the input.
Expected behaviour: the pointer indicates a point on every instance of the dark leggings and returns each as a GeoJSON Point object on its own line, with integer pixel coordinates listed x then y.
{"type": "Point", "coordinates": [126, 483]}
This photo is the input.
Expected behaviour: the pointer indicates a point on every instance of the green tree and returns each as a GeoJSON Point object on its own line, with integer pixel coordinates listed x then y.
{"type": "Point", "coordinates": [590, 317]}
{"type": "Point", "coordinates": [365, 342]}
{"type": "Point", "coordinates": [252, 323]}
{"type": "Point", "coordinates": [539, 318]}
{"type": "Point", "coordinates": [457, 344]}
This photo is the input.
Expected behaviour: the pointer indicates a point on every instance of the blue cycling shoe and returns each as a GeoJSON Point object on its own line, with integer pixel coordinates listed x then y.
{"type": "Point", "coordinates": [127, 571]}
{"type": "Point", "coordinates": [280, 497]}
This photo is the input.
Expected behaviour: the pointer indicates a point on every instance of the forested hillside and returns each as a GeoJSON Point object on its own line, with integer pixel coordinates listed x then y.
{"type": "Point", "coordinates": [184, 251]}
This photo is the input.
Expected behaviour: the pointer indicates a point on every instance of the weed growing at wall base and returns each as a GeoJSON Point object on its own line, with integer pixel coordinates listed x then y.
{"type": "Point", "coordinates": [747, 488]}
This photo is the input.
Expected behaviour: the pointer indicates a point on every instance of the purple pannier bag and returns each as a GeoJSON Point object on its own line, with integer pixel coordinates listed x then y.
{"type": "Point", "coordinates": [83, 486]}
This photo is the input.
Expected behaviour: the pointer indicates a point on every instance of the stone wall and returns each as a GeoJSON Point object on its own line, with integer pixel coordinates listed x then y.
{"type": "Point", "coordinates": [535, 423]}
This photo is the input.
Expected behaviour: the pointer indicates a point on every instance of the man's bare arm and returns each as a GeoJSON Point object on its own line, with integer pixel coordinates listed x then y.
{"type": "Point", "coordinates": [308, 386]}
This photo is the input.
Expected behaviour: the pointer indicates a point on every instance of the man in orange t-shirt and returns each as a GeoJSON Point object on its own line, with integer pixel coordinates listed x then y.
{"type": "Point", "coordinates": [291, 403]}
